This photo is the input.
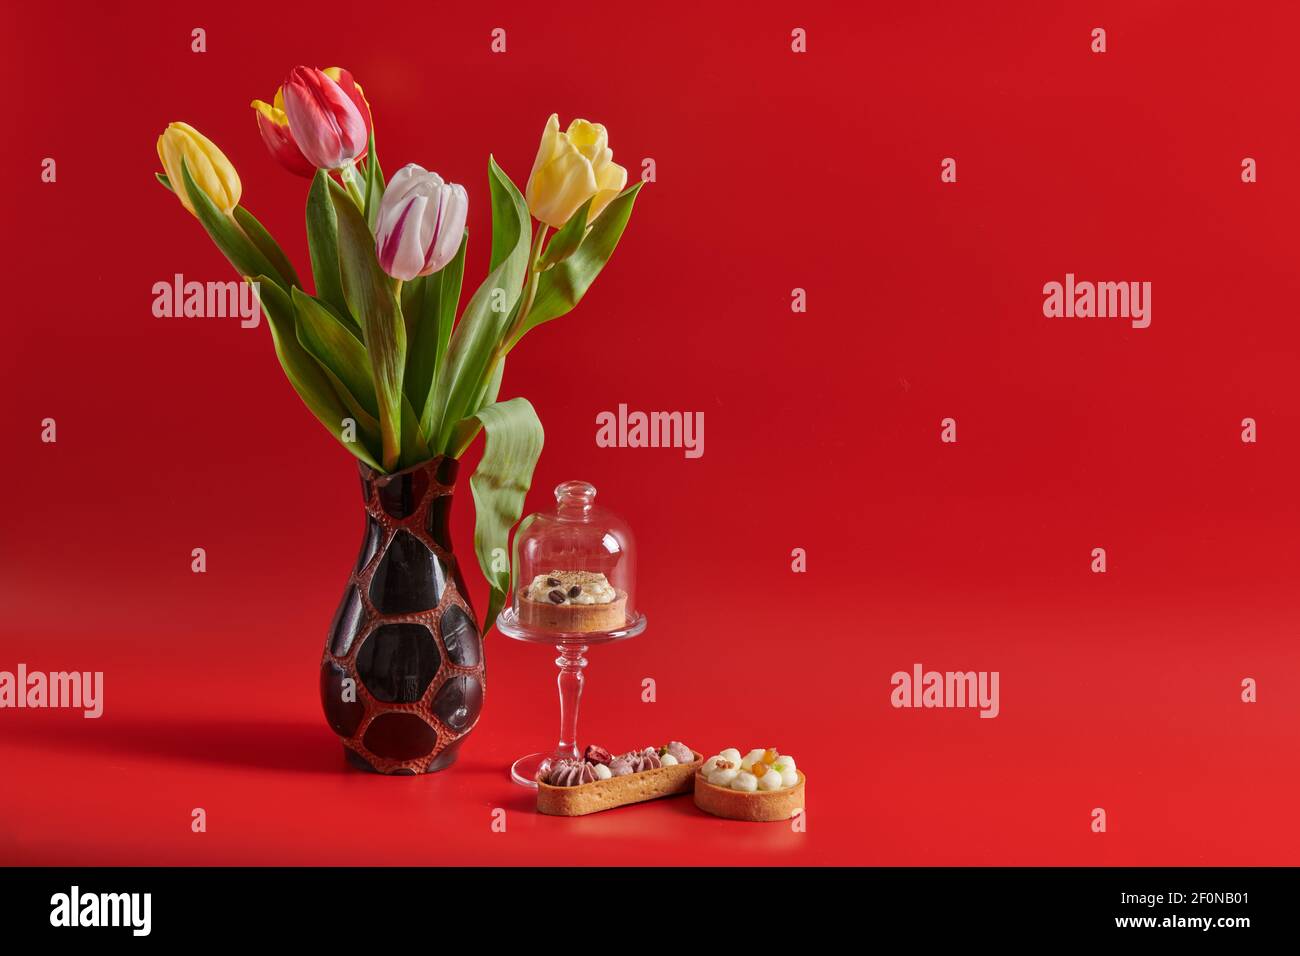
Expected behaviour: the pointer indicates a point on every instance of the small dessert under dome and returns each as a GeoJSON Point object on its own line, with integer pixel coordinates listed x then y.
{"type": "Point", "coordinates": [575, 569]}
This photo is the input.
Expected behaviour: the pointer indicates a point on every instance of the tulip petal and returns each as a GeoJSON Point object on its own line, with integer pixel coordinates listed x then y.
{"type": "Point", "coordinates": [402, 255]}
{"type": "Point", "coordinates": [273, 124]}
{"type": "Point", "coordinates": [590, 139]}
{"type": "Point", "coordinates": [560, 187]}
{"type": "Point", "coordinates": [325, 122]}
{"type": "Point", "coordinates": [547, 147]}
{"type": "Point", "coordinates": [353, 90]}
{"type": "Point", "coordinates": [209, 169]}
{"type": "Point", "coordinates": [429, 227]}
{"type": "Point", "coordinates": [452, 213]}
{"type": "Point", "coordinates": [610, 182]}
{"type": "Point", "coordinates": [419, 223]}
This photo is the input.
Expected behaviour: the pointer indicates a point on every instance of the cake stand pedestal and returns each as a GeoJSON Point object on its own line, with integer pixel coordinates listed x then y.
{"type": "Point", "coordinates": [571, 662]}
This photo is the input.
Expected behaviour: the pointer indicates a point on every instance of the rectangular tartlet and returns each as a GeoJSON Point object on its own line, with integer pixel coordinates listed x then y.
{"type": "Point", "coordinates": [618, 791]}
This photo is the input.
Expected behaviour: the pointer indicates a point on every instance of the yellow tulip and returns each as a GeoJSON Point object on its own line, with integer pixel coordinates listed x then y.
{"type": "Point", "coordinates": [572, 167]}
{"type": "Point", "coordinates": [208, 166]}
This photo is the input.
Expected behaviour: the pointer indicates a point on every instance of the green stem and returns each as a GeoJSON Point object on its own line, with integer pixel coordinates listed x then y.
{"type": "Point", "coordinates": [349, 176]}
{"type": "Point", "coordinates": [526, 300]}
{"type": "Point", "coordinates": [506, 342]}
{"type": "Point", "coordinates": [534, 276]}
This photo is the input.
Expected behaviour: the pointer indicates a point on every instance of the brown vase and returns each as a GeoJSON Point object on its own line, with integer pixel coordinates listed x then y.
{"type": "Point", "coordinates": [402, 677]}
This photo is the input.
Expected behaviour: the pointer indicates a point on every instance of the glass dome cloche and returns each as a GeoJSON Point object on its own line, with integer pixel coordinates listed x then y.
{"type": "Point", "coordinates": [575, 571]}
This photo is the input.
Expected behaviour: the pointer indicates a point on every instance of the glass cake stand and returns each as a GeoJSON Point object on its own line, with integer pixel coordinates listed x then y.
{"type": "Point", "coordinates": [571, 662]}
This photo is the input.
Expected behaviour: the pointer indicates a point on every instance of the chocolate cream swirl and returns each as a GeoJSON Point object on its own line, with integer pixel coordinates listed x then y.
{"type": "Point", "coordinates": [574, 773]}
{"type": "Point", "coordinates": [570, 773]}
{"type": "Point", "coordinates": [641, 760]}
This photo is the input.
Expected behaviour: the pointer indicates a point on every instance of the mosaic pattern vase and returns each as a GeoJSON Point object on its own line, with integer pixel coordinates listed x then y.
{"type": "Point", "coordinates": [402, 677]}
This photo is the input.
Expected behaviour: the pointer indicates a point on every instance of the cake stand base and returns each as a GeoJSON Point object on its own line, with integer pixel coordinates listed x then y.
{"type": "Point", "coordinates": [524, 770]}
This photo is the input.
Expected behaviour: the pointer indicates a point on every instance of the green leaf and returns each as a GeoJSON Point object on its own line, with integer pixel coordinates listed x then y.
{"type": "Point", "coordinates": [267, 245]}
{"type": "Point", "coordinates": [419, 308]}
{"type": "Point", "coordinates": [374, 188]}
{"type": "Point", "coordinates": [415, 444]}
{"type": "Point", "coordinates": [561, 288]}
{"type": "Point", "coordinates": [565, 242]}
{"type": "Point", "coordinates": [367, 431]}
{"type": "Point", "coordinates": [412, 304]}
{"type": "Point", "coordinates": [323, 243]}
{"type": "Point", "coordinates": [499, 484]}
{"type": "Point", "coordinates": [238, 249]}
{"type": "Point", "coordinates": [162, 178]}
{"type": "Point", "coordinates": [492, 388]}
{"type": "Point", "coordinates": [370, 297]}
{"type": "Point", "coordinates": [478, 335]}
{"type": "Point", "coordinates": [308, 379]}
{"type": "Point", "coordinates": [510, 227]}
{"type": "Point", "coordinates": [429, 304]}
{"type": "Point", "coordinates": [334, 346]}
{"type": "Point", "coordinates": [463, 435]}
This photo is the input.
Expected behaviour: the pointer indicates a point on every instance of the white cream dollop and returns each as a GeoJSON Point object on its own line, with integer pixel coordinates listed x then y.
{"type": "Point", "coordinates": [723, 777]}
{"type": "Point", "coordinates": [750, 773]}
{"type": "Point", "coordinates": [602, 772]}
{"type": "Point", "coordinates": [668, 760]}
{"type": "Point", "coordinates": [751, 758]}
{"type": "Point", "coordinates": [593, 588]}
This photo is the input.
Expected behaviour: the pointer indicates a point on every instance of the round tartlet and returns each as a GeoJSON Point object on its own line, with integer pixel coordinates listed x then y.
{"type": "Point", "coordinates": [759, 806]}
{"type": "Point", "coordinates": [573, 618]}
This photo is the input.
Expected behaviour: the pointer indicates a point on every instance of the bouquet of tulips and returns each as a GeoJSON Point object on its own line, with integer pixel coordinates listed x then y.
{"type": "Point", "coordinates": [376, 350]}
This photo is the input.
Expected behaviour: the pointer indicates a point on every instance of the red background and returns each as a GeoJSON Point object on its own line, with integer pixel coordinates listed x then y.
{"type": "Point", "coordinates": [775, 171]}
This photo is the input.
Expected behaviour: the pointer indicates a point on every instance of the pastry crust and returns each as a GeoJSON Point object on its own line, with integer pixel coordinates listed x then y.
{"type": "Point", "coordinates": [761, 806]}
{"type": "Point", "coordinates": [573, 618]}
{"type": "Point", "coordinates": [617, 791]}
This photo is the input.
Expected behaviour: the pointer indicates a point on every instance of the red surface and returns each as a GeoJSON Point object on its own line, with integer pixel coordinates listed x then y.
{"type": "Point", "coordinates": [822, 431]}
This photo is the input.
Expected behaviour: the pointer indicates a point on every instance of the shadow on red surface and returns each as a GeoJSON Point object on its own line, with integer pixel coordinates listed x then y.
{"type": "Point", "coordinates": [300, 746]}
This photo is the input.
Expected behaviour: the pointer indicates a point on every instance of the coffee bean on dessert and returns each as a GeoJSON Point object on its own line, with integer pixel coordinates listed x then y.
{"type": "Point", "coordinates": [552, 582]}
{"type": "Point", "coordinates": [557, 597]}
{"type": "Point", "coordinates": [575, 590]}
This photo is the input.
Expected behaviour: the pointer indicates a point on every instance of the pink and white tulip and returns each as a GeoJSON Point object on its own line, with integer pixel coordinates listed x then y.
{"type": "Point", "coordinates": [421, 223]}
{"type": "Point", "coordinates": [324, 118]}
